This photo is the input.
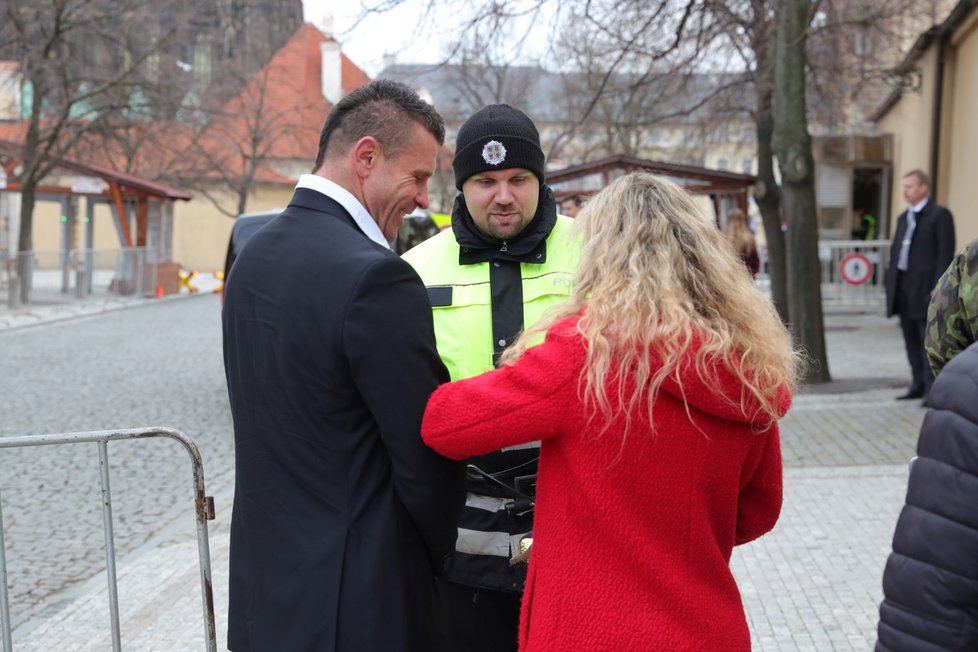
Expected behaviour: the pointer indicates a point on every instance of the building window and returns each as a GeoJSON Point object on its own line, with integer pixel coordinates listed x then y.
{"type": "Point", "coordinates": [722, 164]}
{"type": "Point", "coordinates": [747, 166]}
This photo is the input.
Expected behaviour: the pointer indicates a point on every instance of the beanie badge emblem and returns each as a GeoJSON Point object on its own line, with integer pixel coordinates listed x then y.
{"type": "Point", "coordinates": [494, 153]}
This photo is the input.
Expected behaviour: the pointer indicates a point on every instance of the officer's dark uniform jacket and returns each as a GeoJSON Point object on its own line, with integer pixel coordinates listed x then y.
{"type": "Point", "coordinates": [483, 293]}
{"type": "Point", "coordinates": [930, 583]}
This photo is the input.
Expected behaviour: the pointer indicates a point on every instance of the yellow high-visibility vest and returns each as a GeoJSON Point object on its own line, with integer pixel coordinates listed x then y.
{"type": "Point", "coordinates": [461, 298]}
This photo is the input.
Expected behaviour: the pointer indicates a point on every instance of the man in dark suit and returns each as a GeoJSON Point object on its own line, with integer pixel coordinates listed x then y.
{"type": "Point", "coordinates": [342, 517]}
{"type": "Point", "coordinates": [923, 246]}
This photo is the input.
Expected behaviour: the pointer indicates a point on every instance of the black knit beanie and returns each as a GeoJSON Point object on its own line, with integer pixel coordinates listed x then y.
{"type": "Point", "coordinates": [497, 137]}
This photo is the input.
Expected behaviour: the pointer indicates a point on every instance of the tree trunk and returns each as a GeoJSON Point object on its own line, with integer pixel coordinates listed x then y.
{"type": "Point", "coordinates": [767, 194]}
{"type": "Point", "coordinates": [29, 178]}
{"type": "Point", "coordinates": [242, 200]}
{"type": "Point", "coordinates": [793, 145]}
{"type": "Point", "coordinates": [25, 246]}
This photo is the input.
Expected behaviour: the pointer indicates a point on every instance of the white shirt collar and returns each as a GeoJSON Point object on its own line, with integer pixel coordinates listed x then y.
{"type": "Point", "coordinates": [916, 208]}
{"type": "Point", "coordinates": [344, 198]}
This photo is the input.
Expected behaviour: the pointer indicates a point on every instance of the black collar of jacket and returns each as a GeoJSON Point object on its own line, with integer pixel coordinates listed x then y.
{"type": "Point", "coordinates": [317, 201]}
{"type": "Point", "coordinates": [530, 246]}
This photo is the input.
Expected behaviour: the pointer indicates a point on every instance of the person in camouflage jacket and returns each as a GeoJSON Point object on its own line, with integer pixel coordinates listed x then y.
{"type": "Point", "coordinates": [930, 582]}
{"type": "Point", "coordinates": [952, 316]}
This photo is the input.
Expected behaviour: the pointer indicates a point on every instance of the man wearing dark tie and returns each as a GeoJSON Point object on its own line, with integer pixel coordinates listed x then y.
{"type": "Point", "coordinates": [923, 246]}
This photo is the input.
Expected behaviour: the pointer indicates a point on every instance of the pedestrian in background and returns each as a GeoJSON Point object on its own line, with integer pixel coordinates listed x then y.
{"type": "Point", "coordinates": [342, 517]}
{"type": "Point", "coordinates": [922, 248]}
{"type": "Point", "coordinates": [507, 258]}
{"type": "Point", "coordinates": [571, 206]}
{"type": "Point", "coordinates": [930, 583]}
{"type": "Point", "coordinates": [656, 395]}
{"type": "Point", "coordinates": [742, 240]}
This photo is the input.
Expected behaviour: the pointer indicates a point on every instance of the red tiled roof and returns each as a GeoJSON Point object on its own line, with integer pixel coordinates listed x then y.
{"type": "Point", "coordinates": [14, 131]}
{"type": "Point", "coordinates": [127, 180]}
{"type": "Point", "coordinates": [288, 90]}
{"type": "Point", "coordinates": [283, 103]}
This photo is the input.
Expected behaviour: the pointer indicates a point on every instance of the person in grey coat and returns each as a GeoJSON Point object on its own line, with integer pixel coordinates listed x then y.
{"type": "Point", "coordinates": [930, 583]}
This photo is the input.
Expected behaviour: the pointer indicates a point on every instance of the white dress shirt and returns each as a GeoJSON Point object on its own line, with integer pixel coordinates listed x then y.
{"type": "Point", "coordinates": [903, 258]}
{"type": "Point", "coordinates": [344, 198]}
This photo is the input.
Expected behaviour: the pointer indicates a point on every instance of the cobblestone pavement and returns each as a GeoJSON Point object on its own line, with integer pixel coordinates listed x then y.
{"type": "Point", "coordinates": [812, 584]}
{"type": "Point", "coordinates": [157, 364]}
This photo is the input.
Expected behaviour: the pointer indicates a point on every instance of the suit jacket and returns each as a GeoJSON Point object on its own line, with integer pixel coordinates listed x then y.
{"type": "Point", "coordinates": [931, 251]}
{"type": "Point", "coordinates": [342, 517]}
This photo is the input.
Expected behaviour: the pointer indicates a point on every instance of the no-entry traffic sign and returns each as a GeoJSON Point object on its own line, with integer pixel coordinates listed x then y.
{"type": "Point", "coordinates": [856, 269]}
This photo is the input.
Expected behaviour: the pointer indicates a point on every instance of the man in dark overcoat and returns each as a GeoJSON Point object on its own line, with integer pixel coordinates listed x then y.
{"type": "Point", "coordinates": [342, 517]}
{"type": "Point", "coordinates": [923, 246]}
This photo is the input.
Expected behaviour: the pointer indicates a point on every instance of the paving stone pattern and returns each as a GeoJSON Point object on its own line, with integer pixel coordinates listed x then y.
{"type": "Point", "coordinates": [158, 364]}
{"type": "Point", "coordinates": [813, 584]}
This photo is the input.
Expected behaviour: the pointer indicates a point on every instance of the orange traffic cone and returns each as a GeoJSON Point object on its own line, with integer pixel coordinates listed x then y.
{"type": "Point", "coordinates": [159, 291]}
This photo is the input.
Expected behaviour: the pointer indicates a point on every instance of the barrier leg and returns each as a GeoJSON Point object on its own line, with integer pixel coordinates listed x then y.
{"type": "Point", "coordinates": [4, 601]}
{"type": "Point", "coordinates": [103, 461]}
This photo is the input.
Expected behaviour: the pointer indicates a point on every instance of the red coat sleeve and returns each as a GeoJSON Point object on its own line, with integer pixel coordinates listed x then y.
{"type": "Point", "coordinates": [759, 503]}
{"type": "Point", "coordinates": [510, 405]}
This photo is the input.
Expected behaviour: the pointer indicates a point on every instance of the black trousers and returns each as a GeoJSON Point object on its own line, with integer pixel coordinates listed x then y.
{"type": "Point", "coordinates": [913, 341]}
{"type": "Point", "coordinates": [480, 620]}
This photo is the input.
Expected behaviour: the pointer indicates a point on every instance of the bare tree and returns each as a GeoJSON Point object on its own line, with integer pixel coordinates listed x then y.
{"type": "Point", "coordinates": [630, 50]}
{"type": "Point", "coordinates": [84, 64]}
{"type": "Point", "coordinates": [237, 141]}
{"type": "Point", "coordinates": [793, 145]}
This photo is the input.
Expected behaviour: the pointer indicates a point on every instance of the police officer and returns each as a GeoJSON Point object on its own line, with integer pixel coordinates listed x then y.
{"type": "Point", "coordinates": [508, 257]}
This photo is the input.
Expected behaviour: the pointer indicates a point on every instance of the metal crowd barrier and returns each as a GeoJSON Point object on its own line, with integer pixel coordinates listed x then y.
{"type": "Point", "coordinates": [854, 272]}
{"type": "Point", "coordinates": [57, 277]}
{"type": "Point", "coordinates": [204, 509]}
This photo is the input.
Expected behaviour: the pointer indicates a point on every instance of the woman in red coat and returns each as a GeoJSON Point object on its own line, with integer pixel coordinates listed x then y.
{"type": "Point", "coordinates": [656, 395]}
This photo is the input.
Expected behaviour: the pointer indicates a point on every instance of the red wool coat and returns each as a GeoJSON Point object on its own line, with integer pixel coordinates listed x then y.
{"type": "Point", "coordinates": [633, 535]}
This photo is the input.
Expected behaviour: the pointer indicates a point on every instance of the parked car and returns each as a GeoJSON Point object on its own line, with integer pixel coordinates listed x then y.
{"type": "Point", "coordinates": [245, 226]}
{"type": "Point", "coordinates": [417, 227]}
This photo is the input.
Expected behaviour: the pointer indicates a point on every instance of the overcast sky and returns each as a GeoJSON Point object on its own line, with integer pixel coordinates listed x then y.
{"type": "Point", "coordinates": [395, 32]}
{"type": "Point", "coordinates": [406, 31]}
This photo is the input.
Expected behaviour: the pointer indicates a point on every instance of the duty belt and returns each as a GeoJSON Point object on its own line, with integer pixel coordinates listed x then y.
{"type": "Point", "coordinates": [522, 488]}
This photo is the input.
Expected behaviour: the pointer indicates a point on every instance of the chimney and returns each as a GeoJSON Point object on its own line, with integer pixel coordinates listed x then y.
{"type": "Point", "coordinates": [331, 74]}
{"type": "Point", "coordinates": [326, 24]}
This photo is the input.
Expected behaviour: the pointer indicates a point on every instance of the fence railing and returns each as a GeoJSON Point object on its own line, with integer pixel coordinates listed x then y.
{"type": "Point", "coordinates": [53, 276]}
{"type": "Point", "coordinates": [203, 509]}
{"type": "Point", "coordinates": [853, 272]}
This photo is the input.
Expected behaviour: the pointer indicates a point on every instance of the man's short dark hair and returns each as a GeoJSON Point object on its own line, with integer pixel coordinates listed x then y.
{"type": "Point", "coordinates": [384, 109]}
{"type": "Point", "coordinates": [921, 176]}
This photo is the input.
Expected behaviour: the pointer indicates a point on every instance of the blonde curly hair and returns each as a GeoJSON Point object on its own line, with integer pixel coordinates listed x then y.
{"type": "Point", "coordinates": [739, 234]}
{"type": "Point", "coordinates": [655, 274]}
